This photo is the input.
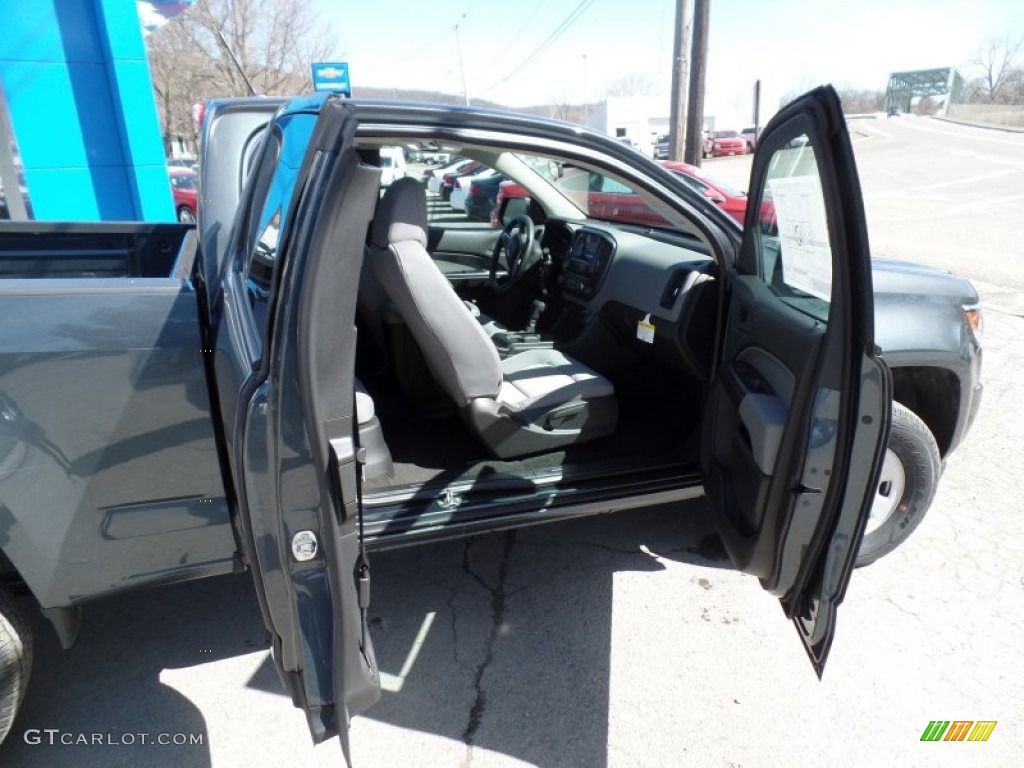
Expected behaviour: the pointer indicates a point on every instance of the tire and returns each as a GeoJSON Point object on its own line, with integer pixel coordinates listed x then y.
{"type": "Point", "coordinates": [910, 476]}
{"type": "Point", "coordinates": [185, 215]}
{"type": "Point", "coordinates": [15, 660]}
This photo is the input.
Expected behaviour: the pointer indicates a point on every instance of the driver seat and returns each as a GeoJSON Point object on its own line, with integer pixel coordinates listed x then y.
{"type": "Point", "coordinates": [531, 402]}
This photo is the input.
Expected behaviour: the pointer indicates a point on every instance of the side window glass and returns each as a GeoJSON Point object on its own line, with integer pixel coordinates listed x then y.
{"type": "Point", "coordinates": [614, 187]}
{"type": "Point", "coordinates": [793, 246]}
{"type": "Point", "coordinates": [278, 175]}
{"type": "Point", "coordinates": [464, 196]}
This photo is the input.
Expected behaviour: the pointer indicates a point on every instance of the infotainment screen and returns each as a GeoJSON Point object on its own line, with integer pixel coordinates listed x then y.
{"type": "Point", "coordinates": [587, 247]}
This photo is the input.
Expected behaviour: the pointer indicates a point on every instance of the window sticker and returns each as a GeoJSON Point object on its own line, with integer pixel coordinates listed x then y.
{"type": "Point", "coordinates": [803, 234]}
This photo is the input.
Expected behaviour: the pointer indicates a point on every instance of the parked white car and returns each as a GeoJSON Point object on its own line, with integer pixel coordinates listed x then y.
{"type": "Point", "coordinates": [435, 175]}
{"type": "Point", "coordinates": [461, 189]}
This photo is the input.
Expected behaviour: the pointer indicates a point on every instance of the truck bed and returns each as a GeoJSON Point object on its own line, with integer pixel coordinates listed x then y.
{"type": "Point", "coordinates": [32, 249]}
{"type": "Point", "coordinates": [109, 469]}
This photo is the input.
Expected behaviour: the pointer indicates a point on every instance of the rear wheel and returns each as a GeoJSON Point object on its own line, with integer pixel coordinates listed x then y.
{"type": "Point", "coordinates": [15, 660]}
{"type": "Point", "coordinates": [185, 215]}
{"type": "Point", "coordinates": [906, 487]}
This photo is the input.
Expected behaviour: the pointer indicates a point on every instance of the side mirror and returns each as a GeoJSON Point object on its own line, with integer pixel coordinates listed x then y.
{"type": "Point", "coordinates": [511, 207]}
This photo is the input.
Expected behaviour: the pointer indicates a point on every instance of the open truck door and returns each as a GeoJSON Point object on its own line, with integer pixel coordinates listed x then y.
{"type": "Point", "coordinates": [284, 368]}
{"type": "Point", "coordinates": [798, 413]}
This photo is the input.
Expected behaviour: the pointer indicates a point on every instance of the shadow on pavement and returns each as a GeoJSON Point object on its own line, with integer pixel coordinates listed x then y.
{"type": "Point", "coordinates": [108, 683]}
{"type": "Point", "coordinates": [516, 653]}
{"type": "Point", "coordinates": [501, 642]}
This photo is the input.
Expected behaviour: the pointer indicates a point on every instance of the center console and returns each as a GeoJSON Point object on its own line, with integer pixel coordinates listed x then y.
{"type": "Point", "coordinates": [585, 266]}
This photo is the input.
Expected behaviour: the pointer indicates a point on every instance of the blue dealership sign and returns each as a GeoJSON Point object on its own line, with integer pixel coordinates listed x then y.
{"type": "Point", "coordinates": [331, 76]}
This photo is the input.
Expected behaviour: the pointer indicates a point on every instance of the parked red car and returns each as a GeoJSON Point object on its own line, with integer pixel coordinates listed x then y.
{"type": "Point", "coordinates": [719, 143]}
{"type": "Point", "coordinates": [185, 189]}
{"type": "Point", "coordinates": [625, 206]}
{"type": "Point", "coordinates": [732, 201]}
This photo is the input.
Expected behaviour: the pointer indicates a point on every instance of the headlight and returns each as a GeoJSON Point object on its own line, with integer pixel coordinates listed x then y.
{"type": "Point", "coordinates": [972, 314]}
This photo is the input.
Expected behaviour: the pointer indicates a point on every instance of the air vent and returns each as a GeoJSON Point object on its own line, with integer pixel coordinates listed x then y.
{"type": "Point", "coordinates": [673, 288]}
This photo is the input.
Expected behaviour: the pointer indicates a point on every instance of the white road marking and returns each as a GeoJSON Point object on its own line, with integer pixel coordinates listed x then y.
{"type": "Point", "coordinates": [394, 683]}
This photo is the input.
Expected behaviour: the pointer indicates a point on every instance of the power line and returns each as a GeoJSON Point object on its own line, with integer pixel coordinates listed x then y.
{"type": "Point", "coordinates": [522, 29]}
{"type": "Point", "coordinates": [560, 30]}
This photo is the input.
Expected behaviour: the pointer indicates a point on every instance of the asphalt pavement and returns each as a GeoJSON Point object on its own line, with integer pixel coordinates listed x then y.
{"type": "Point", "coordinates": [628, 639]}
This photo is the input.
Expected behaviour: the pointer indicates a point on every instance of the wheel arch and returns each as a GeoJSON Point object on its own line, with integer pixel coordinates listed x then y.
{"type": "Point", "coordinates": [933, 393]}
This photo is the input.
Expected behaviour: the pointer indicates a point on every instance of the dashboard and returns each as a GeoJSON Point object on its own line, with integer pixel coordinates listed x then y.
{"type": "Point", "coordinates": [628, 277]}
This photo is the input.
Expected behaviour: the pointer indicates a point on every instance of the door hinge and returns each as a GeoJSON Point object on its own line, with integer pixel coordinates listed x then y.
{"type": "Point", "coordinates": [449, 499]}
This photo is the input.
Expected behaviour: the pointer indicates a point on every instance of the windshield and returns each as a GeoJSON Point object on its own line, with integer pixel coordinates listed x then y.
{"type": "Point", "coordinates": [726, 135]}
{"type": "Point", "coordinates": [721, 186]}
{"type": "Point", "coordinates": [595, 194]}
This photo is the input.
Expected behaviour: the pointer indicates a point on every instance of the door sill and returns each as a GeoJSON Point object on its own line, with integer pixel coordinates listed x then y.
{"type": "Point", "coordinates": [434, 513]}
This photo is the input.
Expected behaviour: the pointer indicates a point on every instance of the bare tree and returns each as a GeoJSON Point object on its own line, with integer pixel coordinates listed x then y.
{"type": "Point", "coordinates": [182, 75]}
{"type": "Point", "coordinates": [855, 101]}
{"type": "Point", "coordinates": [275, 41]}
{"type": "Point", "coordinates": [633, 84]}
{"type": "Point", "coordinates": [926, 105]}
{"type": "Point", "coordinates": [859, 101]}
{"type": "Point", "coordinates": [1001, 75]}
{"type": "Point", "coordinates": [560, 108]}
{"type": "Point", "coordinates": [192, 57]}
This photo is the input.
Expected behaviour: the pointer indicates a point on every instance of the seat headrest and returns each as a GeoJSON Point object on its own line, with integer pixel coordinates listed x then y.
{"type": "Point", "coordinates": [401, 214]}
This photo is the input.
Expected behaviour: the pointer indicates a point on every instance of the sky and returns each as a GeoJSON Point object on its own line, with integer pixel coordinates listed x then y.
{"type": "Point", "coordinates": [568, 51]}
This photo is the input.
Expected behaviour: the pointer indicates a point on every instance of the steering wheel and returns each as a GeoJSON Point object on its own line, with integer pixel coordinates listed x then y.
{"type": "Point", "coordinates": [516, 241]}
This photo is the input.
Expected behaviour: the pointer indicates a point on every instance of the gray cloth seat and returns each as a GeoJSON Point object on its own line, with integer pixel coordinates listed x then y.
{"type": "Point", "coordinates": [375, 308]}
{"type": "Point", "coordinates": [531, 402]}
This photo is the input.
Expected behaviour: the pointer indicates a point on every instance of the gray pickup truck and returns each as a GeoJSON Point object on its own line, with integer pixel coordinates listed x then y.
{"type": "Point", "coordinates": [320, 370]}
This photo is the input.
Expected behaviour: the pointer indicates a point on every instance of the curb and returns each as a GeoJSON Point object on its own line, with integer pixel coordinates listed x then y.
{"type": "Point", "coordinates": [989, 126]}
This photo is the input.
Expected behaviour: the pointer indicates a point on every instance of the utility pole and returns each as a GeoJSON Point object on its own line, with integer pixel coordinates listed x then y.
{"type": "Point", "coordinates": [586, 93]}
{"type": "Point", "coordinates": [462, 69]}
{"type": "Point", "coordinates": [757, 107]}
{"type": "Point", "coordinates": [698, 70]}
{"type": "Point", "coordinates": [677, 122]}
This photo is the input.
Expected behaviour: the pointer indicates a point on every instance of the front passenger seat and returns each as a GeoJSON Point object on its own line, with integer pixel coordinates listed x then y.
{"type": "Point", "coordinates": [531, 402]}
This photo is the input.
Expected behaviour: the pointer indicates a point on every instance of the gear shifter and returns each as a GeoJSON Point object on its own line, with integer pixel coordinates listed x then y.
{"type": "Point", "coordinates": [535, 312]}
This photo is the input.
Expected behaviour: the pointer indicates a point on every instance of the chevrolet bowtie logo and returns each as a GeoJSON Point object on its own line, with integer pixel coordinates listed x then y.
{"type": "Point", "coordinates": [330, 72]}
